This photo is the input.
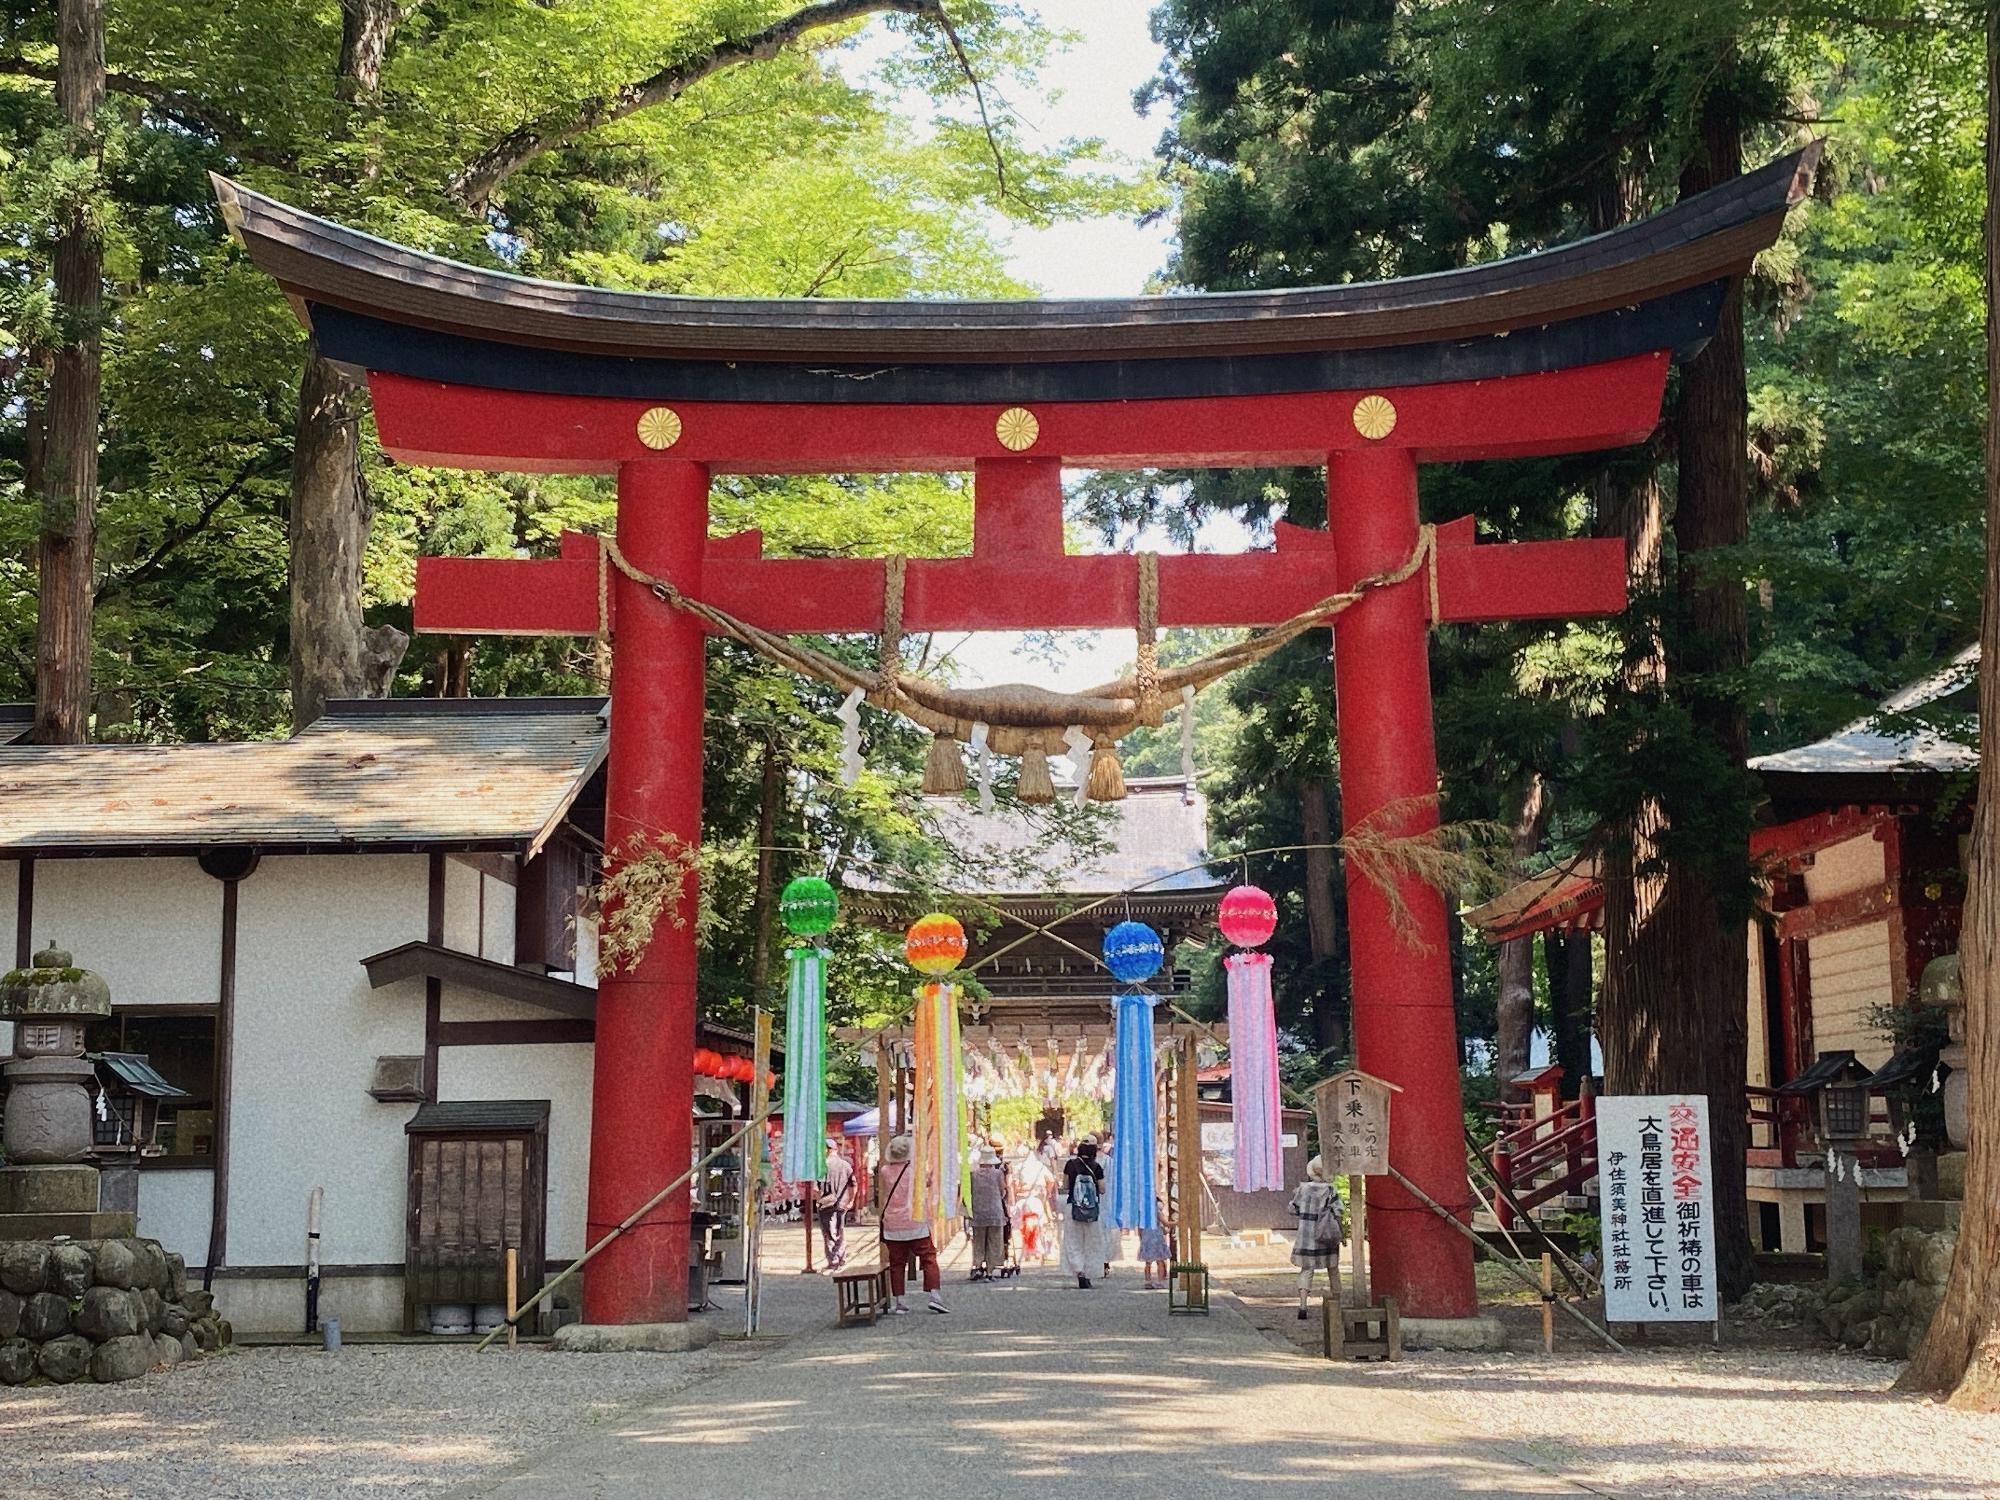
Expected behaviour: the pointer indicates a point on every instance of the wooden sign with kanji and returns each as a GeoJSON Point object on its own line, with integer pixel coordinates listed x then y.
{"type": "Point", "coordinates": [1353, 1110]}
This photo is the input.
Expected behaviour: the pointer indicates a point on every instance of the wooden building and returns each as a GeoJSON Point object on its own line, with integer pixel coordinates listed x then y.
{"type": "Point", "coordinates": [1863, 862]}
{"type": "Point", "coordinates": [357, 956]}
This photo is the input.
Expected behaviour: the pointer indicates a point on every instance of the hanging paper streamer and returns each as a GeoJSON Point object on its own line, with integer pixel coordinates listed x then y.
{"type": "Point", "coordinates": [849, 714]}
{"type": "Point", "coordinates": [982, 759]}
{"type": "Point", "coordinates": [935, 945]}
{"type": "Point", "coordinates": [808, 907]}
{"type": "Point", "coordinates": [938, 1150]}
{"type": "Point", "coordinates": [1078, 740]}
{"type": "Point", "coordinates": [1253, 1073]}
{"type": "Point", "coordinates": [805, 1067]}
{"type": "Point", "coordinates": [1187, 744]}
{"type": "Point", "coordinates": [1133, 1205]}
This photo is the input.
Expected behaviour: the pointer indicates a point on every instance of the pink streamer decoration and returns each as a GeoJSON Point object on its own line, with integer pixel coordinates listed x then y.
{"type": "Point", "coordinates": [1253, 1074]}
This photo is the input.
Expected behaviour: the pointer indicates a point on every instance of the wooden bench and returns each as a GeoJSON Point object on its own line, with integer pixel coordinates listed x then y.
{"type": "Point", "coordinates": [861, 1293]}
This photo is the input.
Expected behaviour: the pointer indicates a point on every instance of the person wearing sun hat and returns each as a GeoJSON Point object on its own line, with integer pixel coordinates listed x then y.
{"type": "Point", "coordinates": [904, 1237]}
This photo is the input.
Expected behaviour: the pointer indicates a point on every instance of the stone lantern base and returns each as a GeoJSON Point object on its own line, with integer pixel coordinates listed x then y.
{"type": "Point", "coordinates": [40, 1203]}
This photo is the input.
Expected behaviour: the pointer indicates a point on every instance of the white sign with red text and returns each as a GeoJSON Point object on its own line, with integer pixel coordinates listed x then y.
{"type": "Point", "coordinates": [1656, 1196]}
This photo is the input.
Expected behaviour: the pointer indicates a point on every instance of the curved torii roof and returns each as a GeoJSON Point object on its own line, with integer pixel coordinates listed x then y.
{"type": "Point", "coordinates": [1652, 285]}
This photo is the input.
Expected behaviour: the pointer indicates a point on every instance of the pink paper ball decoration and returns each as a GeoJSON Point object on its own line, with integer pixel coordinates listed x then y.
{"type": "Point", "coordinates": [1248, 917]}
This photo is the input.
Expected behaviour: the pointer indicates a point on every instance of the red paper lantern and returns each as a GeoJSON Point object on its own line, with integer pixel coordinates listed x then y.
{"type": "Point", "coordinates": [1248, 917]}
{"type": "Point", "coordinates": [741, 1070]}
{"type": "Point", "coordinates": [707, 1062]}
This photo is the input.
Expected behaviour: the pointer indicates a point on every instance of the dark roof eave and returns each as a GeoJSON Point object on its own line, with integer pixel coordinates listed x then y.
{"type": "Point", "coordinates": [1714, 235]}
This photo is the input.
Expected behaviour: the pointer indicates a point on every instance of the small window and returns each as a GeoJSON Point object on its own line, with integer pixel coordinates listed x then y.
{"type": "Point", "coordinates": [180, 1047]}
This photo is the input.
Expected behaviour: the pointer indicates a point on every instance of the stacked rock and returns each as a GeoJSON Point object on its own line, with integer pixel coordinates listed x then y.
{"type": "Point", "coordinates": [98, 1310]}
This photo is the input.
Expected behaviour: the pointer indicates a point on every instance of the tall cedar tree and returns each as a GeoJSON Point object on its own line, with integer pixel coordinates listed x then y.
{"type": "Point", "coordinates": [1960, 1352]}
{"type": "Point", "coordinates": [68, 449]}
{"type": "Point", "coordinates": [1326, 142]}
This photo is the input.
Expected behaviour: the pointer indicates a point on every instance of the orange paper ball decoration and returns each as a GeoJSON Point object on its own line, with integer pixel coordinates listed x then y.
{"type": "Point", "coordinates": [935, 944]}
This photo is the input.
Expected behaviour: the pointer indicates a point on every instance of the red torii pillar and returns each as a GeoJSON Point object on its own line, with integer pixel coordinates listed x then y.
{"type": "Point", "coordinates": [1016, 578]}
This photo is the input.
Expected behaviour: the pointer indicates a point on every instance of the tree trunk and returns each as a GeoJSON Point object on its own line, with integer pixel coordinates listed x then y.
{"type": "Point", "coordinates": [67, 551]}
{"type": "Point", "coordinates": [1673, 1018]}
{"type": "Point", "coordinates": [1567, 957]}
{"type": "Point", "coordinates": [1322, 933]}
{"type": "Point", "coordinates": [770, 796]}
{"type": "Point", "coordinates": [1514, 1010]}
{"type": "Point", "coordinates": [335, 654]}
{"type": "Point", "coordinates": [1960, 1352]}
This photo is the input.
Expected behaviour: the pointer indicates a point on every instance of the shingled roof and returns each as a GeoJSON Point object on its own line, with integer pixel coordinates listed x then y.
{"type": "Point", "coordinates": [398, 773]}
{"type": "Point", "coordinates": [1652, 285]}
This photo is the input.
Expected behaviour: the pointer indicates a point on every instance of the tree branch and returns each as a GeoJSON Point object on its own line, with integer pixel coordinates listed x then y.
{"type": "Point", "coordinates": [176, 536]}
{"type": "Point", "coordinates": [473, 184]}
{"type": "Point", "coordinates": [178, 105]}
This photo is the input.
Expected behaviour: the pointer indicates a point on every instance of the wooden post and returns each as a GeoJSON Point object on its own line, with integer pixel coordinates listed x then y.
{"type": "Point", "coordinates": [881, 1122]}
{"type": "Point", "coordinates": [1187, 1112]}
{"type": "Point", "coordinates": [513, 1292]}
{"type": "Point", "coordinates": [1357, 1233]}
{"type": "Point", "coordinates": [1548, 1304]}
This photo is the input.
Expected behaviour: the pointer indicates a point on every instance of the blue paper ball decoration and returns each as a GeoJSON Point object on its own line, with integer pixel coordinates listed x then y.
{"type": "Point", "coordinates": [1133, 952]}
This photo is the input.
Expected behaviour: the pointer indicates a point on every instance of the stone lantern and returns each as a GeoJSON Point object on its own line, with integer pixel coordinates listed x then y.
{"type": "Point", "coordinates": [48, 1177]}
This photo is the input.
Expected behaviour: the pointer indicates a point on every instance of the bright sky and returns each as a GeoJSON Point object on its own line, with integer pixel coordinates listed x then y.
{"type": "Point", "coordinates": [1095, 80]}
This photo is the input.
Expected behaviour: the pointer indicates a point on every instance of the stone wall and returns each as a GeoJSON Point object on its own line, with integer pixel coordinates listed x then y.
{"type": "Point", "coordinates": [98, 1310]}
{"type": "Point", "coordinates": [1884, 1313]}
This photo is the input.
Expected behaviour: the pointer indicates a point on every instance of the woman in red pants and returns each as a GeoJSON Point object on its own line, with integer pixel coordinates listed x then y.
{"type": "Point", "coordinates": [904, 1237]}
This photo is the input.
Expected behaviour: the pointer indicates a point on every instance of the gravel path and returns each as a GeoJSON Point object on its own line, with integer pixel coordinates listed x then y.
{"type": "Point", "coordinates": [1736, 1424]}
{"type": "Point", "coordinates": [296, 1424]}
{"type": "Point", "coordinates": [1745, 1423]}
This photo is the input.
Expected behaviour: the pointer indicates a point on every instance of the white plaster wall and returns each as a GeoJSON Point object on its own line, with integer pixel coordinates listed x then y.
{"type": "Point", "coordinates": [461, 906]}
{"type": "Point", "coordinates": [151, 927]}
{"type": "Point", "coordinates": [497, 940]}
{"type": "Point", "coordinates": [1847, 866]}
{"type": "Point", "coordinates": [560, 1074]}
{"type": "Point", "coordinates": [1758, 1074]}
{"type": "Point", "coordinates": [174, 1204]}
{"type": "Point", "coordinates": [364, 1304]}
{"type": "Point", "coordinates": [1850, 976]}
{"type": "Point", "coordinates": [456, 1003]}
{"type": "Point", "coordinates": [308, 1031]}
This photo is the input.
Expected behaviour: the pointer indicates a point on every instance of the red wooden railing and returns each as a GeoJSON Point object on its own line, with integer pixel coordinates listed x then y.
{"type": "Point", "coordinates": [1546, 1156]}
{"type": "Point", "coordinates": [1541, 1157]}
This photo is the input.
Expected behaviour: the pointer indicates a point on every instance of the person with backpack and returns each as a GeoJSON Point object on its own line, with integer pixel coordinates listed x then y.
{"type": "Point", "coordinates": [1085, 1242]}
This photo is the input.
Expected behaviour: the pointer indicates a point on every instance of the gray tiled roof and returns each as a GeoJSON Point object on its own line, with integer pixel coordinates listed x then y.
{"type": "Point", "coordinates": [1869, 746]}
{"type": "Point", "coordinates": [1156, 831]}
{"type": "Point", "coordinates": [393, 772]}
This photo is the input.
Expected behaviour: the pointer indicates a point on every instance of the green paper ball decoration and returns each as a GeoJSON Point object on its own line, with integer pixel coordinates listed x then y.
{"type": "Point", "coordinates": [808, 906]}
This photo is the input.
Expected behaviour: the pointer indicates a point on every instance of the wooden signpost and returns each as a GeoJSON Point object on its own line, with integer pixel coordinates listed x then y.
{"type": "Point", "coordinates": [1353, 1111]}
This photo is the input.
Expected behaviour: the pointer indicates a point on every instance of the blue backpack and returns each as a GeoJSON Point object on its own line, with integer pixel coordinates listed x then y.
{"type": "Point", "coordinates": [1083, 1197]}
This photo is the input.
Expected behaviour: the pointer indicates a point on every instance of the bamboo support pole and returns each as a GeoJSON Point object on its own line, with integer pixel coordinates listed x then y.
{"type": "Point", "coordinates": [732, 1139]}
{"type": "Point", "coordinates": [1548, 1304]}
{"type": "Point", "coordinates": [513, 1292]}
{"type": "Point", "coordinates": [1513, 1270]}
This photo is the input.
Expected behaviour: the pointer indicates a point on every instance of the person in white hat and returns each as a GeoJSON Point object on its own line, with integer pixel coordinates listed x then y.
{"type": "Point", "coordinates": [905, 1237]}
{"type": "Point", "coordinates": [989, 1213]}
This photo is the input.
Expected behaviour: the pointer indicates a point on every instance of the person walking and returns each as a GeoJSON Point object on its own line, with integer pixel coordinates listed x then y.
{"type": "Point", "coordinates": [989, 1213]}
{"type": "Point", "coordinates": [905, 1237]}
{"type": "Point", "coordinates": [1084, 1242]}
{"type": "Point", "coordinates": [1316, 1205]}
{"type": "Point", "coordinates": [833, 1199]}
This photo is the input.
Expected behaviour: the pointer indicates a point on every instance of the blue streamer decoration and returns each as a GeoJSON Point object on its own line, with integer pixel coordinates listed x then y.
{"type": "Point", "coordinates": [1133, 1203]}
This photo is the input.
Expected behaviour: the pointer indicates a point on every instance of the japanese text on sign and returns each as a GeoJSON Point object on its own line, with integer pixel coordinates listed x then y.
{"type": "Point", "coordinates": [1657, 1201]}
{"type": "Point", "coordinates": [1353, 1111]}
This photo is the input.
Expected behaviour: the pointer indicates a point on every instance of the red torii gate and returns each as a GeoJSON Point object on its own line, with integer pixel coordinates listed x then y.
{"type": "Point", "coordinates": [1560, 352]}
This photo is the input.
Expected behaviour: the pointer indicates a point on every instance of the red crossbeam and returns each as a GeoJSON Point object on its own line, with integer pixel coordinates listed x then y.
{"type": "Point", "coordinates": [1028, 589]}
{"type": "Point", "coordinates": [1562, 411]}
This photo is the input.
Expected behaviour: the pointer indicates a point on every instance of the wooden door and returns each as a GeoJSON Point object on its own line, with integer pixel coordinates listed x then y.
{"type": "Point", "coordinates": [472, 1196]}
